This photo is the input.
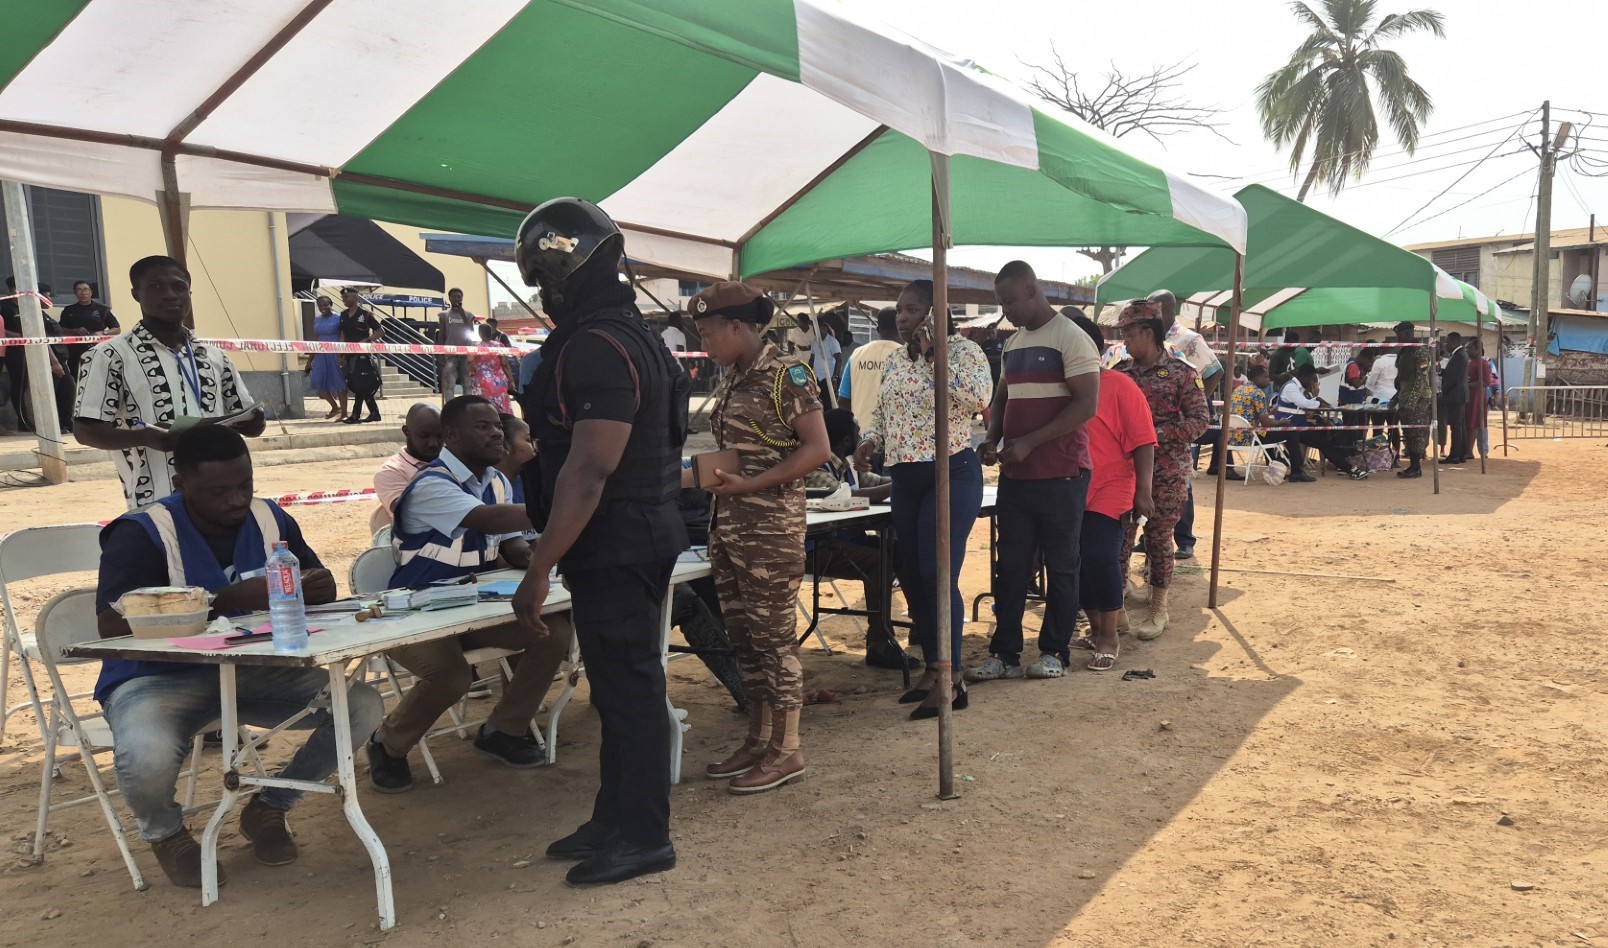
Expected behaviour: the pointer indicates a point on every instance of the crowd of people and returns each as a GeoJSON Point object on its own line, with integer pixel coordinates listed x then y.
{"type": "Point", "coordinates": [1095, 447]}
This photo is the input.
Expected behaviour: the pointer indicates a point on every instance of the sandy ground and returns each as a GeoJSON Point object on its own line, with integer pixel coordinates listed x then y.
{"type": "Point", "coordinates": [1322, 761]}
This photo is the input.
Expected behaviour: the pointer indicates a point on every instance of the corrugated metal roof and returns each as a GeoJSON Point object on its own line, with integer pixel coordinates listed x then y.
{"type": "Point", "coordinates": [1569, 237]}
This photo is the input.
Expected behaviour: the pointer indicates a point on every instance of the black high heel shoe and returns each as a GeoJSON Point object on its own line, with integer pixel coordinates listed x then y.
{"type": "Point", "coordinates": [914, 695]}
{"type": "Point", "coordinates": [962, 701]}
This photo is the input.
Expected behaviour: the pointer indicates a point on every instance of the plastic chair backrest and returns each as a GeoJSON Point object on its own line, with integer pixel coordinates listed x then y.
{"type": "Point", "coordinates": [67, 619]}
{"type": "Point", "coordinates": [371, 571]}
{"type": "Point", "coordinates": [382, 536]}
{"type": "Point", "coordinates": [42, 551]}
{"type": "Point", "coordinates": [1237, 421]}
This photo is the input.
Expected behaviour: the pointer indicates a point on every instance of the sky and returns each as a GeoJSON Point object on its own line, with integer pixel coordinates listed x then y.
{"type": "Point", "coordinates": [1481, 73]}
{"type": "Point", "coordinates": [1481, 77]}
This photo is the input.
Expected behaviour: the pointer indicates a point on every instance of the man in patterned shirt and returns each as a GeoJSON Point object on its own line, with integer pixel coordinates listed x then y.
{"type": "Point", "coordinates": [139, 391]}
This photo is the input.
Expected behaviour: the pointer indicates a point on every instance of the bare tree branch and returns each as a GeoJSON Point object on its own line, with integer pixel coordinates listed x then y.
{"type": "Point", "coordinates": [1145, 102]}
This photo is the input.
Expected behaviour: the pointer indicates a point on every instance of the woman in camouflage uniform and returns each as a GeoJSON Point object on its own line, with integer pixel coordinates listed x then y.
{"type": "Point", "coordinates": [768, 410]}
{"type": "Point", "coordinates": [1178, 407]}
{"type": "Point", "coordinates": [1415, 398]}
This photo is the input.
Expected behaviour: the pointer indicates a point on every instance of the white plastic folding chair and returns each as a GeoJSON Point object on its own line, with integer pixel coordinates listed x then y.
{"type": "Point", "coordinates": [32, 553]}
{"type": "Point", "coordinates": [371, 574]}
{"type": "Point", "coordinates": [1257, 452]}
{"type": "Point", "coordinates": [382, 537]}
{"type": "Point", "coordinates": [69, 619]}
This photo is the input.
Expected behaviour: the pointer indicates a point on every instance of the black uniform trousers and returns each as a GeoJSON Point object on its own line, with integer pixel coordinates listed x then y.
{"type": "Point", "coordinates": [617, 614]}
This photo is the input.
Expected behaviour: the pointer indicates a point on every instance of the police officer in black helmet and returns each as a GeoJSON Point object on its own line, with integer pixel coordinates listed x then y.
{"type": "Point", "coordinates": [608, 408]}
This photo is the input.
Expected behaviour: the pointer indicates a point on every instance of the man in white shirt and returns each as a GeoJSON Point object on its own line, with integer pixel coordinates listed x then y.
{"type": "Point", "coordinates": [862, 383]}
{"type": "Point", "coordinates": [674, 336]}
{"type": "Point", "coordinates": [137, 392]}
{"type": "Point", "coordinates": [825, 355]}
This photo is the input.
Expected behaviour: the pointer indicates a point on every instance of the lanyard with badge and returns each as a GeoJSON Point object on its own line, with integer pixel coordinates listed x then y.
{"type": "Point", "coordinates": [190, 371]}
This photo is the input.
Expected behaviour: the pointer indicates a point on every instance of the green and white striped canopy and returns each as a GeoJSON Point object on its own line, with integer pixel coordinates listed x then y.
{"type": "Point", "coordinates": [725, 135]}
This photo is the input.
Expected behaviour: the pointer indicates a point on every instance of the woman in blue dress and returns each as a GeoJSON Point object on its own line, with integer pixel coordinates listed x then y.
{"type": "Point", "coordinates": [326, 379]}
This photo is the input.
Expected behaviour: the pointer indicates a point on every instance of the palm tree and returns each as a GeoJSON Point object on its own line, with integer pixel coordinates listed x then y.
{"type": "Point", "coordinates": [1323, 98]}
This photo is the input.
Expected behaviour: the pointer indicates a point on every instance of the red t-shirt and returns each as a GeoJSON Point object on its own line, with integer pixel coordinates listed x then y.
{"type": "Point", "coordinates": [1121, 425]}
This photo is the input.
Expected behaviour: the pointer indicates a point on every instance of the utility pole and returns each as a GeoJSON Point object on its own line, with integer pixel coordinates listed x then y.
{"type": "Point", "coordinates": [1541, 295]}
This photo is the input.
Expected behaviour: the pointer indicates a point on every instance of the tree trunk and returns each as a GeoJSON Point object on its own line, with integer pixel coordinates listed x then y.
{"type": "Point", "coordinates": [1312, 175]}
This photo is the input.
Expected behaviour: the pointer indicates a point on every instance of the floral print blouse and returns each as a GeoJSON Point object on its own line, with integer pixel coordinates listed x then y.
{"type": "Point", "coordinates": [903, 420]}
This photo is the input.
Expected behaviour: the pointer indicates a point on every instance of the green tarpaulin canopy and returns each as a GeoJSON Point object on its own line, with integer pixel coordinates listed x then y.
{"type": "Point", "coordinates": [1322, 271]}
{"type": "Point", "coordinates": [725, 135]}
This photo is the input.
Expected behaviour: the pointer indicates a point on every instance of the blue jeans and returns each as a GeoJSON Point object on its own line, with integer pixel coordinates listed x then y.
{"type": "Point", "coordinates": [915, 525]}
{"type": "Point", "coordinates": [1038, 518]}
{"type": "Point", "coordinates": [1184, 531]}
{"type": "Point", "coordinates": [154, 719]}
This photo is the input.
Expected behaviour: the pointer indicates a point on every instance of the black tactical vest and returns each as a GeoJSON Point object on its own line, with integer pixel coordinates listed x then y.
{"type": "Point", "coordinates": [650, 467]}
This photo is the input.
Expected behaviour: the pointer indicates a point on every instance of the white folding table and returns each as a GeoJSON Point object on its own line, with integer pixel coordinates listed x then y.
{"type": "Point", "coordinates": [342, 641]}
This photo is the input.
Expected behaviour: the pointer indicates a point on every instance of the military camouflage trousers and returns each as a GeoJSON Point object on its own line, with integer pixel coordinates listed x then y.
{"type": "Point", "coordinates": [757, 579]}
{"type": "Point", "coordinates": [1169, 490]}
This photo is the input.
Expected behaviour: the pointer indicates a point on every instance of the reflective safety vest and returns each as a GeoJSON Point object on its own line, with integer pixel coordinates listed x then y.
{"type": "Point", "coordinates": [429, 556]}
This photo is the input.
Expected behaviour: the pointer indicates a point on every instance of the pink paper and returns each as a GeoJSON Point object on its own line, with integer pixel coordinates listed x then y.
{"type": "Point", "coordinates": [216, 642]}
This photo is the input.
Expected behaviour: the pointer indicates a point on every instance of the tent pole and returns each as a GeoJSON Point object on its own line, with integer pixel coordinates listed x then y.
{"type": "Point", "coordinates": [486, 265]}
{"type": "Point", "coordinates": [940, 461]}
{"type": "Point", "coordinates": [1222, 421]}
{"type": "Point", "coordinates": [1434, 377]}
{"type": "Point", "coordinates": [41, 386]}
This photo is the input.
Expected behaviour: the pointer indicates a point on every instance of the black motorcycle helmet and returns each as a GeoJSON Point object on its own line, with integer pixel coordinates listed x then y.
{"type": "Point", "coordinates": [558, 237]}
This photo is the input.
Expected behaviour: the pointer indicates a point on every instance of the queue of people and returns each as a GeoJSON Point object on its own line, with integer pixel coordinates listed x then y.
{"type": "Point", "coordinates": [590, 485]}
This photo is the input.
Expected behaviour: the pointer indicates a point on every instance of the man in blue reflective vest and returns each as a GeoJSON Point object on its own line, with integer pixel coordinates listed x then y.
{"type": "Point", "coordinates": [456, 517]}
{"type": "Point", "coordinates": [211, 533]}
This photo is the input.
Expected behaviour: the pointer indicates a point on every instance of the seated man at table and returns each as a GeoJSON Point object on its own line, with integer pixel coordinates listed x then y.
{"type": "Point", "coordinates": [1300, 396]}
{"type": "Point", "coordinates": [853, 554]}
{"type": "Point", "coordinates": [455, 518]}
{"type": "Point", "coordinates": [209, 533]}
{"type": "Point", "coordinates": [421, 436]}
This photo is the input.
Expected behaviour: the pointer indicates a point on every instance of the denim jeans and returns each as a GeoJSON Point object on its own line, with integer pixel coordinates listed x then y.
{"type": "Point", "coordinates": [154, 719]}
{"type": "Point", "coordinates": [1038, 518]}
{"type": "Point", "coordinates": [915, 524]}
{"type": "Point", "coordinates": [1184, 531]}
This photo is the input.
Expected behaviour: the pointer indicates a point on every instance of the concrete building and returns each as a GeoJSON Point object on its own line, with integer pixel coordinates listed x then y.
{"type": "Point", "coordinates": [1576, 323]}
{"type": "Point", "coordinates": [240, 264]}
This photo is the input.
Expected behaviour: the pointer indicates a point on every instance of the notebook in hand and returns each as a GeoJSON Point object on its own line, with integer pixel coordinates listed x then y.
{"type": "Point", "coordinates": [705, 465]}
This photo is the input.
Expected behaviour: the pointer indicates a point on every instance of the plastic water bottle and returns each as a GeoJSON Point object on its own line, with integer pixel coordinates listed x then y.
{"type": "Point", "coordinates": [287, 611]}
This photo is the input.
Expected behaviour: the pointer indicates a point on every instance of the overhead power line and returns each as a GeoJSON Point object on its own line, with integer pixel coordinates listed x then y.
{"type": "Point", "coordinates": [1454, 184]}
{"type": "Point", "coordinates": [1472, 199]}
{"type": "Point", "coordinates": [1425, 143]}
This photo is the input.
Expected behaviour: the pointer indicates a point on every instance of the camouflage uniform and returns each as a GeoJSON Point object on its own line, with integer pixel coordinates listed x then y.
{"type": "Point", "coordinates": [756, 541]}
{"type": "Point", "coordinates": [1178, 405]}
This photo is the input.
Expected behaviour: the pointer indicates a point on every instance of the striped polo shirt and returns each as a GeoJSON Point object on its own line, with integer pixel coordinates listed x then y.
{"type": "Point", "coordinates": [1037, 364]}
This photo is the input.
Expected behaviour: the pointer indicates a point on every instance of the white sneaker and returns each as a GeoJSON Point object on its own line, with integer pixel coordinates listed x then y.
{"type": "Point", "coordinates": [993, 669]}
{"type": "Point", "coordinates": [1047, 666]}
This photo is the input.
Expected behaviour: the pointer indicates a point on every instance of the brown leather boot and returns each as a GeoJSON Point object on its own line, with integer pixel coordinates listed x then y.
{"type": "Point", "coordinates": [743, 759]}
{"type": "Point", "coordinates": [783, 760]}
{"type": "Point", "coordinates": [180, 858]}
{"type": "Point", "coordinates": [270, 838]}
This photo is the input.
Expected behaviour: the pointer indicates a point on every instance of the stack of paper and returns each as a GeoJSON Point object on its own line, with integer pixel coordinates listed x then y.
{"type": "Point", "coordinates": [444, 595]}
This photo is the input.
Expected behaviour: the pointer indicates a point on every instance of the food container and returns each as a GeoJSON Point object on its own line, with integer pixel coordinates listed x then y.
{"type": "Point", "coordinates": [164, 612]}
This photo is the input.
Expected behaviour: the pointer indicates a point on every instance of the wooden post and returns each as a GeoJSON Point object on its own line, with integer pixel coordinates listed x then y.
{"type": "Point", "coordinates": [1485, 416]}
{"type": "Point", "coordinates": [1541, 276]}
{"type": "Point", "coordinates": [941, 421]}
{"type": "Point", "coordinates": [41, 386]}
{"type": "Point", "coordinates": [1235, 305]}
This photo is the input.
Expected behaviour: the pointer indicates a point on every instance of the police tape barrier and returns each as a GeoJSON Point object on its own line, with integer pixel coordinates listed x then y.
{"type": "Point", "coordinates": [305, 498]}
{"type": "Point", "coordinates": [1382, 425]}
{"type": "Point", "coordinates": [300, 346]}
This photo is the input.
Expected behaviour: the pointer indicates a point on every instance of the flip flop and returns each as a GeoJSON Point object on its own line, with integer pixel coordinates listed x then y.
{"type": "Point", "coordinates": [1085, 642]}
{"type": "Point", "coordinates": [1102, 661]}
